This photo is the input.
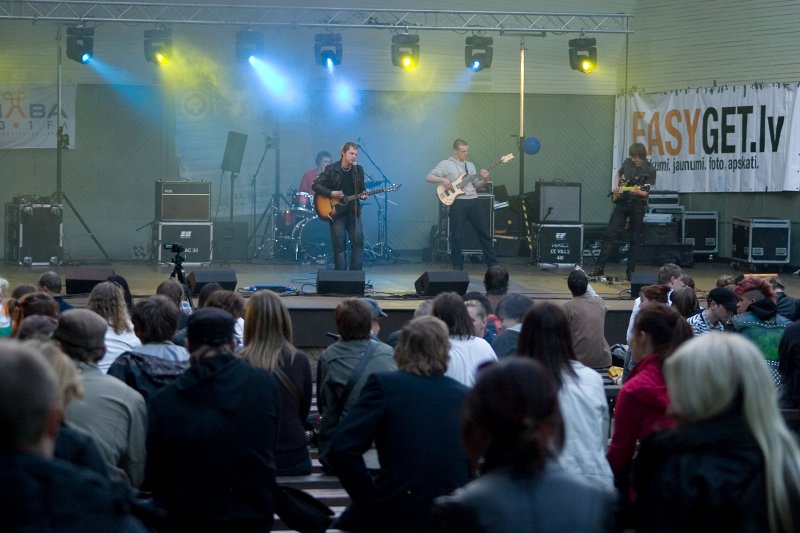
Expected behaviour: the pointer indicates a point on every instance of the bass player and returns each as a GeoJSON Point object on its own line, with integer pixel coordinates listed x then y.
{"type": "Point", "coordinates": [466, 206]}
{"type": "Point", "coordinates": [629, 187]}
{"type": "Point", "coordinates": [340, 179]}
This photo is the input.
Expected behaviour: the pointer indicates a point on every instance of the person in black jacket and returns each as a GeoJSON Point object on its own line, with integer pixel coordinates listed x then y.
{"type": "Point", "coordinates": [412, 415]}
{"type": "Point", "coordinates": [731, 464]}
{"type": "Point", "coordinates": [344, 179]}
{"type": "Point", "coordinates": [211, 437]}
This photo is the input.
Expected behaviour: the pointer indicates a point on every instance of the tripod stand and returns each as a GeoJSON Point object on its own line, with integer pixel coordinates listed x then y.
{"type": "Point", "coordinates": [177, 270]}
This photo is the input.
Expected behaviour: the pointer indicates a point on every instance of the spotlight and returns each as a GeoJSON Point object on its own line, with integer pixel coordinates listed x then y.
{"type": "Point", "coordinates": [158, 45]}
{"type": "Point", "coordinates": [249, 44]}
{"type": "Point", "coordinates": [583, 54]}
{"type": "Point", "coordinates": [80, 43]}
{"type": "Point", "coordinates": [405, 51]}
{"type": "Point", "coordinates": [478, 53]}
{"type": "Point", "coordinates": [328, 49]}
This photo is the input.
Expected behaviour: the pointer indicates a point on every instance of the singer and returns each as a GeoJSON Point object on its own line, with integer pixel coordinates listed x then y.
{"type": "Point", "coordinates": [629, 187]}
{"type": "Point", "coordinates": [465, 207]}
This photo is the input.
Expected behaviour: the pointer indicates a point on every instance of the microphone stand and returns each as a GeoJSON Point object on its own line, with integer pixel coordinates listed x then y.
{"type": "Point", "coordinates": [252, 237]}
{"type": "Point", "coordinates": [384, 251]}
{"type": "Point", "coordinates": [536, 259]}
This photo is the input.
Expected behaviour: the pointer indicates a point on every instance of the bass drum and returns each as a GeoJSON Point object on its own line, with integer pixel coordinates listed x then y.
{"type": "Point", "coordinates": [313, 237]}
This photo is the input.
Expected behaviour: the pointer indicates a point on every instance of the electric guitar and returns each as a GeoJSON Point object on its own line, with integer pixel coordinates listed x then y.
{"type": "Point", "coordinates": [447, 197]}
{"type": "Point", "coordinates": [326, 207]}
{"type": "Point", "coordinates": [617, 195]}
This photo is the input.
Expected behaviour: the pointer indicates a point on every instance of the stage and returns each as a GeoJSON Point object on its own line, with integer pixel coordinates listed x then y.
{"type": "Point", "coordinates": [389, 282]}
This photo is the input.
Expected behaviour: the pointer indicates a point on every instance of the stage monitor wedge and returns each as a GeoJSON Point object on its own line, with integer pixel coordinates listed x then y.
{"type": "Point", "coordinates": [431, 283]}
{"type": "Point", "coordinates": [198, 278]}
{"type": "Point", "coordinates": [83, 280]}
{"type": "Point", "coordinates": [341, 282]}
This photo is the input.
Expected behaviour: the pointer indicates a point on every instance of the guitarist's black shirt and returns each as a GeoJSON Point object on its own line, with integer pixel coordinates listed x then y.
{"type": "Point", "coordinates": [334, 178]}
{"type": "Point", "coordinates": [633, 176]}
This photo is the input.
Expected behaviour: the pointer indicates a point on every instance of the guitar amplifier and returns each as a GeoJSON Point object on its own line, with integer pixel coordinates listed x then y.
{"type": "Point", "coordinates": [183, 201]}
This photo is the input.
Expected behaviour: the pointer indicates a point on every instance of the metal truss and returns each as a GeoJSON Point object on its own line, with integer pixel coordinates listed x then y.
{"type": "Point", "coordinates": [333, 18]}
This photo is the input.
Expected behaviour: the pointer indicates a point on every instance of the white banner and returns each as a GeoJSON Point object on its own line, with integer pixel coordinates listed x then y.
{"type": "Point", "coordinates": [28, 115]}
{"type": "Point", "coordinates": [737, 139]}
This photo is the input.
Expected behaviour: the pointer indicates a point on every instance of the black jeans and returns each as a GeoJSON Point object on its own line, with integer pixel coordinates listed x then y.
{"type": "Point", "coordinates": [632, 211]}
{"type": "Point", "coordinates": [460, 212]}
{"type": "Point", "coordinates": [347, 223]}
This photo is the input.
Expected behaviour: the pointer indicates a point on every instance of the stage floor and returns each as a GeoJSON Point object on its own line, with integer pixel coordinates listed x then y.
{"type": "Point", "coordinates": [390, 282]}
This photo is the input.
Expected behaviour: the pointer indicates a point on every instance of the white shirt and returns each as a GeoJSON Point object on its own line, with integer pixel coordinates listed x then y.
{"type": "Point", "coordinates": [466, 355]}
{"type": "Point", "coordinates": [116, 344]}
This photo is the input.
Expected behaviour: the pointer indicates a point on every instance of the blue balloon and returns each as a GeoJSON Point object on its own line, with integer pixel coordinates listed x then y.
{"type": "Point", "coordinates": [531, 145]}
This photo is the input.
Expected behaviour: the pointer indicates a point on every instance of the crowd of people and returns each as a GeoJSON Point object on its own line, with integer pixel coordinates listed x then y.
{"type": "Point", "coordinates": [485, 412]}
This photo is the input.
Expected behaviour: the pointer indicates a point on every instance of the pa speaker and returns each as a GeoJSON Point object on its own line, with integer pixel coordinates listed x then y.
{"type": "Point", "coordinates": [639, 280]}
{"type": "Point", "coordinates": [199, 278]}
{"type": "Point", "coordinates": [83, 280]}
{"type": "Point", "coordinates": [234, 152]}
{"type": "Point", "coordinates": [431, 283]}
{"type": "Point", "coordinates": [341, 282]}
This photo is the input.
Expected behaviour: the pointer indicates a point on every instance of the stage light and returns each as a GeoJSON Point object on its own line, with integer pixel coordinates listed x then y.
{"type": "Point", "coordinates": [80, 43]}
{"type": "Point", "coordinates": [249, 45]}
{"type": "Point", "coordinates": [478, 53]}
{"type": "Point", "coordinates": [158, 45]}
{"type": "Point", "coordinates": [405, 51]}
{"type": "Point", "coordinates": [328, 49]}
{"type": "Point", "coordinates": [583, 54]}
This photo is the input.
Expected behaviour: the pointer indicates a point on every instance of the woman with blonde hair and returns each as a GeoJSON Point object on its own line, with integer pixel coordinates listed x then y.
{"type": "Point", "coordinates": [108, 300]}
{"type": "Point", "coordinates": [731, 464]}
{"type": "Point", "coordinates": [268, 345]}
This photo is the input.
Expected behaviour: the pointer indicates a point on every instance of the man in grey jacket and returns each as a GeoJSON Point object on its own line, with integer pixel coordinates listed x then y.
{"type": "Point", "coordinates": [340, 361]}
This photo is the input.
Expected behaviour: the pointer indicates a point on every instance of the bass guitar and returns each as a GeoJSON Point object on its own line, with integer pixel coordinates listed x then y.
{"type": "Point", "coordinates": [447, 197]}
{"type": "Point", "coordinates": [621, 190]}
{"type": "Point", "coordinates": [326, 207]}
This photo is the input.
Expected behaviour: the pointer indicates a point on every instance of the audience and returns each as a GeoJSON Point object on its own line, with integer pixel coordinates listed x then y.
{"type": "Point", "coordinates": [684, 301]}
{"type": "Point", "coordinates": [423, 309]}
{"type": "Point", "coordinates": [511, 428]}
{"type": "Point", "coordinates": [757, 319]}
{"type": "Point", "coordinates": [586, 315]}
{"type": "Point", "coordinates": [205, 292]}
{"type": "Point", "coordinates": [546, 338]}
{"type": "Point", "coordinates": [492, 323]}
{"type": "Point", "coordinates": [413, 417]}
{"type": "Point", "coordinates": [669, 276]}
{"type": "Point", "coordinates": [268, 345]}
{"type": "Point", "coordinates": [211, 437]}
{"type": "Point", "coordinates": [37, 327]}
{"type": "Point", "coordinates": [731, 464]}
{"type": "Point", "coordinates": [344, 367]}
{"type": "Point", "coordinates": [50, 283]}
{"type": "Point", "coordinates": [511, 310]}
{"type": "Point", "coordinates": [495, 281]}
{"type": "Point", "coordinates": [108, 301]}
{"type": "Point", "coordinates": [642, 403]}
{"type": "Point", "coordinates": [114, 414]}
{"type": "Point", "coordinates": [38, 493]}
{"type": "Point", "coordinates": [789, 366]}
{"type": "Point", "coordinates": [788, 306]}
{"type": "Point", "coordinates": [34, 303]}
{"type": "Point", "coordinates": [5, 317]}
{"type": "Point", "coordinates": [477, 314]}
{"type": "Point", "coordinates": [377, 313]}
{"type": "Point", "coordinates": [467, 352]}
{"type": "Point", "coordinates": [122, 283]}
{"type": "Point", "coordinates": [721, 305]}
{"type": "Point", "coordinates": [11, 303]}
{"type": "Point", "coordinates": [234, 304]}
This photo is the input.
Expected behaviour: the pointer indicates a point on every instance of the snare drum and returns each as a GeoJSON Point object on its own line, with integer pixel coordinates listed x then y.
{"type": "Point", "coordinates": [313, 237]}
{"type": "Point", "coordinates": [303, 201]}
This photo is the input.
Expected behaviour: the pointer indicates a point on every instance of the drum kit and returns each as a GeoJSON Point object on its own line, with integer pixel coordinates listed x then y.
{"type": "Point", "coordinates": [300, 234]}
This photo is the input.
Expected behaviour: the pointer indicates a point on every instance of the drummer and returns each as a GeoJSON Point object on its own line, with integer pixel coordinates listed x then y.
{"type": "Point", "coordinates": [323, 160]}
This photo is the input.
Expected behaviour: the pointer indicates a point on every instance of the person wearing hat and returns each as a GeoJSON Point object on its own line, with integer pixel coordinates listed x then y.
{"type": "Point", "coordinates": [211, 438]}
{"type": "Point", "coordinates": [721, 306]}
{"type": "Point", "coordinates": [377, 313]}
{"type": "Point", "coordinates": [114, 414]}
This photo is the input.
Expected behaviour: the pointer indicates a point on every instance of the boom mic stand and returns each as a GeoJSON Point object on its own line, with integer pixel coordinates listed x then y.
{"type": "Point", "coordinates": [536, 257]}
{"type": "Point", "coordinates": [252, 238]}
{"type": "Point", "coordinates": [381, 249]}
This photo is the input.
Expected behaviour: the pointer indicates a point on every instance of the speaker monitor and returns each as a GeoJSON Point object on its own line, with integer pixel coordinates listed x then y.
{"type": "Point", "coordinates": [234, 152]}
{"type": "Point", "coordinates": [83, 280]}
{"type": "Point", "coordinates": [641, 279]}
{"type": "Point", "coordinates": [341, 282]}
{"type": "Point", "coordinates": [431, 283]}
{"type": "Point", "coordinates": [198, 278]}
{"type": "Point", "coordinates": [555, 202]}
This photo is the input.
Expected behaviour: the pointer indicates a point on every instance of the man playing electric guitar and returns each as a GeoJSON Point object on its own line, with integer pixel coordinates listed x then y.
{"type": "Point", "coordinates": [340, 179]}
{"type": "Point", "coordinates": [466, 206]}
{"type": "Point", "coordinates": [630, 186]}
